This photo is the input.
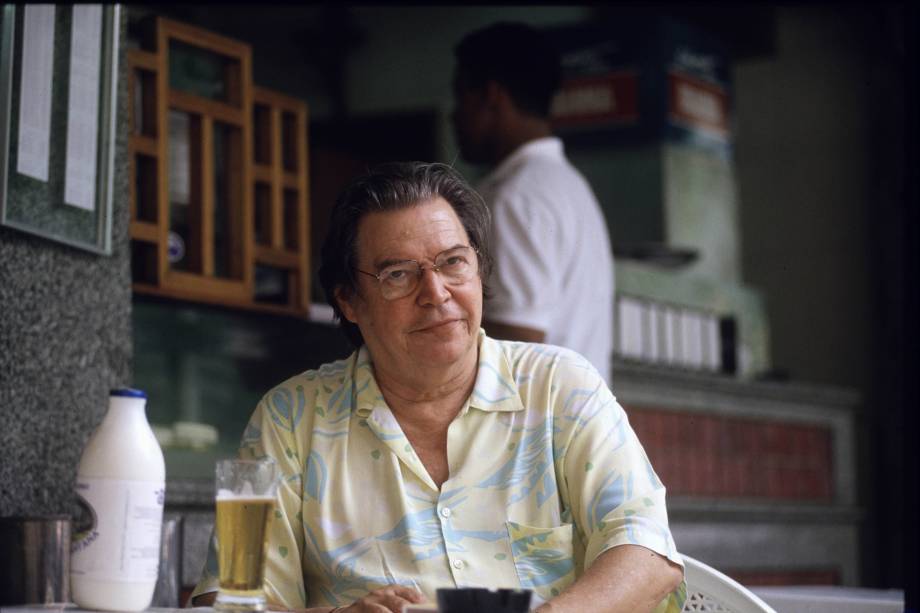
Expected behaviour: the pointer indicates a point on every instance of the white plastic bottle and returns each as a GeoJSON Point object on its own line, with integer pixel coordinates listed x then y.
{"type": "Point", "coordinates": [120, 487]}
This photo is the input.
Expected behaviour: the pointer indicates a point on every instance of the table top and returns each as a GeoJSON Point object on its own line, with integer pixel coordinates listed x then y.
{"type": "Point", "coordinates": [831, 599]}
{"type": "Point", "coordinates": [69, 607]}
{"type": "Point", "coordinates": [790, 599]}
{"type": "Point", "coordinates": [72, 608]}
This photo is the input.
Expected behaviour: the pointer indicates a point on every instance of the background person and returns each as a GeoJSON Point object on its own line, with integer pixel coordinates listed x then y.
{"type": "Point", "coordinates": [435, 456]}
{"type": "Point", "coordinates": [554, 277]}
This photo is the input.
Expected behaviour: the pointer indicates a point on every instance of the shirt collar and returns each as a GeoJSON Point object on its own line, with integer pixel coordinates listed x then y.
{"type": "Point", "coordinates": [364, 386]}
{"type": "Point", "coordinates": [495, 388]}
{"type": "Point", "coordinates": [549, 146]}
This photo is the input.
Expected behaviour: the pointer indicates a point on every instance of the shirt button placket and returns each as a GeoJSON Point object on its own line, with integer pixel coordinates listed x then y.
{"type": "Point", "coordinates": [458, 564]}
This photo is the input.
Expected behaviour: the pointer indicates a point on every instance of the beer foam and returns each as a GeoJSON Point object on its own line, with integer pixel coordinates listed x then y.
{"type": "Point", "coordinates": [248, 495]}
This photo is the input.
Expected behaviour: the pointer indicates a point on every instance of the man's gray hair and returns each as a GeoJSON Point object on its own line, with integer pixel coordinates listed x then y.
{"type": "Point", "coordinates": [391, 187]}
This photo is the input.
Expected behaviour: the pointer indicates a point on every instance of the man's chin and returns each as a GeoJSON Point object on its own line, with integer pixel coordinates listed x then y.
{"type": "Point", "coordinates": [444, 343]}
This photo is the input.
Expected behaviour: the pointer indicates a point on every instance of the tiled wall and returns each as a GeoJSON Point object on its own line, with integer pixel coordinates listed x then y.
{"type": "Point", "coordinates": [712, 455]}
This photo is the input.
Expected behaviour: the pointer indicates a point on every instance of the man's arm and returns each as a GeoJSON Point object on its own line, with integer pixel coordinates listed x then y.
{"type": "Point", "coordinates": [626, 578]}
{"type": "Point", "coordinates": [510, 332]}
{"type": "Point", "coordinates": [618, 504]}
{"type": "Point", "coordinates": [390, 598]}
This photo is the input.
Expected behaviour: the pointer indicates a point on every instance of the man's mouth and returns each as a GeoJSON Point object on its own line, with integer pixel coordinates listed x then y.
{"type": "Point", "coordinates": [434, 326]}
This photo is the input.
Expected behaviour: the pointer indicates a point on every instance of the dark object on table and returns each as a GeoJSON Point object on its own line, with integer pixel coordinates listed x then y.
{"type": "Point", "coordinates": [34, 560]}
{"type": "Point", "coordinates": [481, 600]}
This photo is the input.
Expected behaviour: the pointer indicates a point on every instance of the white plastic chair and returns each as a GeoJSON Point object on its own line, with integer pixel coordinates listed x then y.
{"type": "Point", "coordinates": [710, 591]}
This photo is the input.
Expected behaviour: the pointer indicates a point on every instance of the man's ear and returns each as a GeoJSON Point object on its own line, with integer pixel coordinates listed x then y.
{"type": "Point", "coordinates": [343, 299]}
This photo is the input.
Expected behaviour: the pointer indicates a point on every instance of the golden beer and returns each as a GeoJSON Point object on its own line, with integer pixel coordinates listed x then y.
{"type": "Point", "coordinates": [241, 533]}
{"type": "Point", "coordinates": [245, 497]}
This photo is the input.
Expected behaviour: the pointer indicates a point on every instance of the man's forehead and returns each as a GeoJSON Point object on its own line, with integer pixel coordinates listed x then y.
{"type": "Point", "coordinates": [433, 222]}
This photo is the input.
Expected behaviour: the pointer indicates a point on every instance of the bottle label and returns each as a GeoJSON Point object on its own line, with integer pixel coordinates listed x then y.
{"type": "Point", "coordinates": [117, 536]}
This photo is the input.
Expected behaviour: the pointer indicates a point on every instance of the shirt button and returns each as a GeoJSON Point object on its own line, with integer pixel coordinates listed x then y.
{"type": "Point", "coordinates": [458, 564]}
{"type": "Point", "coordinates": [445, 512]}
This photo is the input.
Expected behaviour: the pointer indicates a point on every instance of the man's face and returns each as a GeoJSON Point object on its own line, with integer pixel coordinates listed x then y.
{"type": "Point", "coordinates": [473, 120]}
{"type": "Point", "coordinates": [435, 325]}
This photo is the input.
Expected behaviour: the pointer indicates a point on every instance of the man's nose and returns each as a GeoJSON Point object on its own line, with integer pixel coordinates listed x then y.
{"type": "Point", "coordinates": [432, 289]}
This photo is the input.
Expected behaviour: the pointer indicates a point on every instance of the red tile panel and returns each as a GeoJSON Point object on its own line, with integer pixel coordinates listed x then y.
{"type": "Point", "coordinates": [712, 477]}
{"type": "Point", "coordinates": [713, 455]}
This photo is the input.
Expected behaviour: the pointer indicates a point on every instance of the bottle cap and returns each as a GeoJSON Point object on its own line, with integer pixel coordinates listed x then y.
{"type": "Point", "coordinates": [128, 392]}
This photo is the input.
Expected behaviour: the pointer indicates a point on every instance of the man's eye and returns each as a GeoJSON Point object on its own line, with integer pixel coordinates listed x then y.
{"type": "Point", "coordinates": [398, 274]}
{"type": "Point", "coordinates": [455, 260]}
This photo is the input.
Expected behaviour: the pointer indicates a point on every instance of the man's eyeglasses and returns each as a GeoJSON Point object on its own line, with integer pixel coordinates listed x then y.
{"type": "Point", "coordinates": [456, 266]}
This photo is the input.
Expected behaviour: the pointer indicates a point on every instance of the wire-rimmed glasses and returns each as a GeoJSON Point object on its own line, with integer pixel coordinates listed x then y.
{"type": "Point", "coordinates": [456, 266]}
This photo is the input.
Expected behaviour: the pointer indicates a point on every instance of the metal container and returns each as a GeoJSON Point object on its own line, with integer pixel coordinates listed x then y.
{"type": "Point", "coordinates": [169, 578]}
{"type": "Point", "coordinates": [34, 560]}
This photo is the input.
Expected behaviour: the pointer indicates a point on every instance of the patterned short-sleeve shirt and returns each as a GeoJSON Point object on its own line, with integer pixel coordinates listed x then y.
{"type": "Point", "coordinates": [545, 475]}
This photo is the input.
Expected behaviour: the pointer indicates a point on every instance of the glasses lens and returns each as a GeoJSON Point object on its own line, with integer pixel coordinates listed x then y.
{"type": "Point", "coordinates": [457, 265]}
{"type": "Point", "coordinates": [398, 280]}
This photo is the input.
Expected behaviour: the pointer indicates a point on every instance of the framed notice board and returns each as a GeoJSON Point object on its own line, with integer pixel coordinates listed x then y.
{"type": "Point", "coordinates": [58, 84]}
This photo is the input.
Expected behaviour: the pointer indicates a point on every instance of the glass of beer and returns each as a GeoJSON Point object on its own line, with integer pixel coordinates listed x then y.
{"type": "Point", "coordinates": [245, 500]}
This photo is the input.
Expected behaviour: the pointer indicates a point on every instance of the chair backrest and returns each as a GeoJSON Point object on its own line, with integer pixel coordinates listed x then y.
{"type": "Point", "coordinates": [710, 591]}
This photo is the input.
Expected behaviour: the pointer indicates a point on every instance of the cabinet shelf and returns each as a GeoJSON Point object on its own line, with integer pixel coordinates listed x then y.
{"type": "Point", "coordinates": [144, 231]}
{"type": "Point", "coordinates": [143, 60]}
{"type": "Point", "coordinates": [218, 168]}
{"type": "Point", "coordinates": [148, 289]}
{"type": "Point", "coordinates": [199, 105]}
{"type": "Point", "coordinates": [277, 257]}
{"type": "Point", "coordinates": [144, 145]}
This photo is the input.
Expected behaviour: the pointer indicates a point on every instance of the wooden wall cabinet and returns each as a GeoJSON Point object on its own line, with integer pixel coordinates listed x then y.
{"type": "Point", "coordinates": [219, 205]}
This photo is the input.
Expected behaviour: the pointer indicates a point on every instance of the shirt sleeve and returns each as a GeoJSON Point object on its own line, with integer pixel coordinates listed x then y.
{"type": "Point", "coordinates": [272, 432]}
{"type": "Point", "coordinates": [526, 246]}
{"type": "Point", "coordinates": [609, 485]}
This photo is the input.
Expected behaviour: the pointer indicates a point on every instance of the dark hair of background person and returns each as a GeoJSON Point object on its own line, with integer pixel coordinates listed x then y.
{"type": "Point", "coordinates": [516, 56]}
{"type": "Point", "coordinates": [391, 187]}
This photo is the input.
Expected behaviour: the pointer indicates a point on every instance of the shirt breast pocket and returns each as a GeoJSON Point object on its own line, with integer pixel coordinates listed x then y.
{"type": "Point", "coordinates": [543, 557]}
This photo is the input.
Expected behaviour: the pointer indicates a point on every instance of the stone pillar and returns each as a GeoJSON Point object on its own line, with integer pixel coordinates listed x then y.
{"type": "Point", "coordinates": [65, 340]}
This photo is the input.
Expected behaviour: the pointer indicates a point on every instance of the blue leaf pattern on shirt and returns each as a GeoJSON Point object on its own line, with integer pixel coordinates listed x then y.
{"type": "Point", "coordinates": [341, 402]}
{"type": "Point", "coordinates": [526, 470]}
{"type": "Point", "coordinates": [282, 409]}
{"type": "Point", "coordinates": [316, 474]}
{"type": "Point", "coordinates": [344, 582]}
{"type": "Point", "coordinates": [612, 493]}
{"type": "Point", "coordinates": [421, 531]}
{"type": "Point", "coordinates": [538, 564]}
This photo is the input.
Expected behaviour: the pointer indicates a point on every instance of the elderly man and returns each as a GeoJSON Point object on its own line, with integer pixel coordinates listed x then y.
{"type": "Point", "coordinates": [435, 456]}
